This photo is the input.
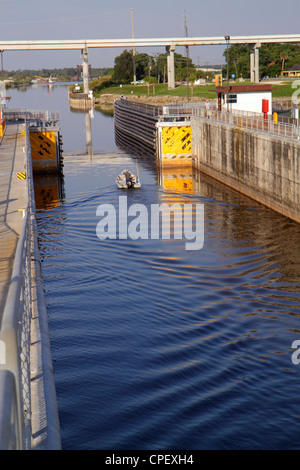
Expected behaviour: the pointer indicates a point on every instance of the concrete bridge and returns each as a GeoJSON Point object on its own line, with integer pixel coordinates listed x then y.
{"type": "Point", "coordinates": [170, 44]}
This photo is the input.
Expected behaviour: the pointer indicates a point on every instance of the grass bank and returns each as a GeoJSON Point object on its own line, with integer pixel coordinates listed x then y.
{"type": "Point", "coordinates": [197, 92]}
{"type": "Point", "coordinates": [285, 89]}
{"type": "Point", "coordinates": [202, 91]}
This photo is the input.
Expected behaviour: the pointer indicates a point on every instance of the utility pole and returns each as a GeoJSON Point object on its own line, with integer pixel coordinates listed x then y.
{"type": "Point", "coordinates": [187, 57]}
{"type": "Point", "coordinates": [133, 49]}
{"type": "Point", "coordinates": [227, 38]}
{"type": "Point", "coordinates": [1, 64]}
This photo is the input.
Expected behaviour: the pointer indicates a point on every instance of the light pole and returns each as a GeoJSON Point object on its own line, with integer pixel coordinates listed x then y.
{"type": "Point", "coordinates": [187, 58]}
{"type": "Point", "coordinates": [227, 39]}
{"type": "Point", "coordinates": [133, 49]}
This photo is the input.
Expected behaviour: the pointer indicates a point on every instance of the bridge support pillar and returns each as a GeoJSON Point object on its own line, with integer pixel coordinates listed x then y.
{"type": "Point", "coordinates": [85, 69]}
{"type": "Point", "coordinates": [171, 66]}
{"type": "Point", "coordinates": [254, 62]}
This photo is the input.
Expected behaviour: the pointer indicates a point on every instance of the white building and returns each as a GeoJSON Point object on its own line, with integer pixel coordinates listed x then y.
{"type": "Point", "coordinates": [252, 98]}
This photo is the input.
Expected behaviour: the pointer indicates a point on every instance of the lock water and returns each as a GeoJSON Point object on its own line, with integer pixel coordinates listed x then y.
{"type": "Point", "coordinates": [154, 346]}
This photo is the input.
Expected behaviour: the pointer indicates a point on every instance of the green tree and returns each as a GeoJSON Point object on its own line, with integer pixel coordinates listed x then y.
{"type": "Point", "coordinates": [123, 69]}
{"type": "Point", "coordinates": [283, 56]}
{"type": "Point", "coordinates": [148, 66]}
{"type": "Point", "coordinates": [238, 61]}
{"type": "Point", "coordinates": [145, 65]}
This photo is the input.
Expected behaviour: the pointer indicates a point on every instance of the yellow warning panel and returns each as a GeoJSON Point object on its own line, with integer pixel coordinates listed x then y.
{"type": "Point", "coordinates": [21, 175]}
{"type": "Point", "coordinates": [43, 150]}
{"type": "Point", "coordinates": [2, 128]}
{"type": "Point", "coordinates": [176, 140]}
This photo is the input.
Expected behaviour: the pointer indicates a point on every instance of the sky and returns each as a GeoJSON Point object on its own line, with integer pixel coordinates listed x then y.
{"type": "Point", "coordinates": [99, 19]}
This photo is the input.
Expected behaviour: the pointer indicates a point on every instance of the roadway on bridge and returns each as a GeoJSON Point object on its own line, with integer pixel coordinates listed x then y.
{"type": "Point", "coordinates": [13, 199]}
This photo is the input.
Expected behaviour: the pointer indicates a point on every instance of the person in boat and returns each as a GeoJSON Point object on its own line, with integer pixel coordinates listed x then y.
{"type": "Point", "coordinates": [130, 178]}
{"type": "Point", "coordinates": [126, 178]}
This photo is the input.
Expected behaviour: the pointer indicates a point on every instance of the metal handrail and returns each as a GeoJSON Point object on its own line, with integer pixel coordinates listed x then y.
{"type": "Point", "coordinates": [15, 114]}
{"type": "Point", "coordinates": [14, 364]}
{"type": "Point", "coordinates": [9, 338]}
{"type": "Point", "coordinates": [9, 435]}
{"type": "Point", "coordinates": [252, 122]}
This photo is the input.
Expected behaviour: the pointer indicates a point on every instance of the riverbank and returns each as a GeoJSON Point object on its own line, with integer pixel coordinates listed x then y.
{"type": "Point", "coordinates": [160, 94]}
{"type": "Point", "coordinates": [109, 99]}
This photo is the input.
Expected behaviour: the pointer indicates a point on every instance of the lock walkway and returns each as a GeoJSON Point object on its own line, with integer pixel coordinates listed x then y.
{"type": "Point", "coordinates": [28, 405]}
{"type": "Point", "coordinates": [13, 201]}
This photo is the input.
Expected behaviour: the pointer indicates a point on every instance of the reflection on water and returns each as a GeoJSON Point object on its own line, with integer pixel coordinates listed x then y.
{"type": "Point", "coordinates": [106, 109]}
{"type": "Point", "coordinates": [88, 130]}
{"type": "Point", "coordinates": [89, 116]}
{"type": "Point", "coordinates": [176, 179]}
{"type": "Point", "coordinates": [48, 190]}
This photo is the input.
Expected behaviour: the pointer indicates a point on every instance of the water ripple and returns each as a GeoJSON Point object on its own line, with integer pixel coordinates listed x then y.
{"type": "Point", "coordinates": [156, 347]}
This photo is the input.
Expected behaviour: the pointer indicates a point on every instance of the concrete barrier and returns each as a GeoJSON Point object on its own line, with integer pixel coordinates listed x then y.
{"type": "Point", "coordinates": [262, 166]}
{"type": "Point", "coordinates": [81, 101]}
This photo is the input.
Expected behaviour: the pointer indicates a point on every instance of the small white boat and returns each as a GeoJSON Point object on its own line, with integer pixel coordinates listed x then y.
{"type": "Point", "coordinates": [126, 180]}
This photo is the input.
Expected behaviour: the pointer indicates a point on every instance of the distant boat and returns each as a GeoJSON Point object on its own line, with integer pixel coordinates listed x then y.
{"type": "Point", "coordinates": [127, 180]}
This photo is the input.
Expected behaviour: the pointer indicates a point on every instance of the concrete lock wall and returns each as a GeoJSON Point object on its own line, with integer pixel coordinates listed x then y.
{"type": "Point", "coordinates": [263, 167]}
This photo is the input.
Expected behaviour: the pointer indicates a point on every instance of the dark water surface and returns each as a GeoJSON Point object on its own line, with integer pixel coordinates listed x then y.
{"type": "Point", "coordinates": [154, 346]}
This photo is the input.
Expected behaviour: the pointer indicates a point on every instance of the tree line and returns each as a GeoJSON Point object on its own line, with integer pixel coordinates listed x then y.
{"type": "Point", "coordinates": [66, 73]}
{"type": "Point", "coordinates": [273, 59]}
{"type": "Point", "coordinates": [153, 67]}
